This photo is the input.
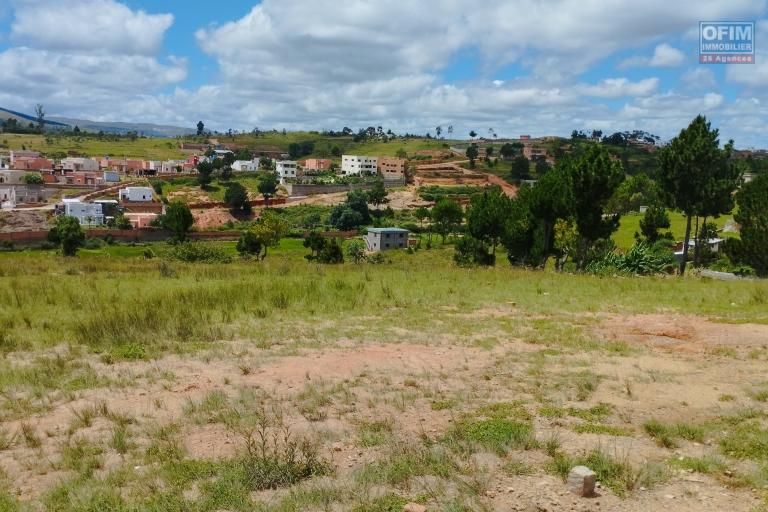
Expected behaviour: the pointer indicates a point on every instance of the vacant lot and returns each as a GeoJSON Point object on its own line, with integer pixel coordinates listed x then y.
{"type": "Point", "coordinates": [145, 384]}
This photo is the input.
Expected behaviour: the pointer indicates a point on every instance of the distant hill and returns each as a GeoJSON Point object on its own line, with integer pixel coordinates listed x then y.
{"type": "Point", "coordinates": [147, 129]}
{"type": "Point", "coordinates": [6, 114]}
{"type": "Point", "coordinates": [65, 123]}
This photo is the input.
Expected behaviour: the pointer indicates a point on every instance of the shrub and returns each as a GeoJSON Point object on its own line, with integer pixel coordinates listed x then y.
{"type": "Point", "coordinates": [193, 252]}
{"type": "Point", "coordinates": [274, 461]}
{"type": "Point", "coordinates": [641, 259]}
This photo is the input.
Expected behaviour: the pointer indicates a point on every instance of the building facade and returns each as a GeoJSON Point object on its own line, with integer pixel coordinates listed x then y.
{"type": "Point", "coordinates": [392, 168]}
{"type": "Point", "coordinates": [136, 194]}
{"type": "Point", "coordinates": [286, 168]}
{"type": "Point", "coordinates": [385, 239]}
{"type": "Point", "coordinates": [317, 164]}
{"type": "Point", "coordinates": [246, 165]}
{"type": "Point", "coordinates": [87, 214]}
{"type": "Point", "coordinates": [355, 165]}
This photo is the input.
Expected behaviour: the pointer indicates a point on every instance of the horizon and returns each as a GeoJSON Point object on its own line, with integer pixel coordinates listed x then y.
{"type": "Point", "coordinates": [301, 66]}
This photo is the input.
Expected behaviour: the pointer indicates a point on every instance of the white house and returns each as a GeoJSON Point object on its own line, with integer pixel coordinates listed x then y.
{"type": "Point", "coordinates": [80, 164]}
{"type": "Point", "coordinates": [352, 164]}
{"type": "Point", "coordinates": [286, 168]}
{"type": "Point", "coordinates": [89, 214]}
{"type": "Point", "coordinates": [384, 239]}
{"type": "Point", "coordinates": [246, 165]}
{"type": "Point", "coordinates": [136, 194]}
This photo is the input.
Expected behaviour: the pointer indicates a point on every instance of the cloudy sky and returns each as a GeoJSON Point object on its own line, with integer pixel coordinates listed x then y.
{"type": "Point", "coordinates": [524, 66]}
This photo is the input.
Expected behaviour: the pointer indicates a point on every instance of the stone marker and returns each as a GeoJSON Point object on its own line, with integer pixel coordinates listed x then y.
{"type": "Point", "coordinates": [581, 481]}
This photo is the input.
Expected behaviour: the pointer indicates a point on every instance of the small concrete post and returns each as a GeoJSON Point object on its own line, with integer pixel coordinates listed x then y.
{"type": "Point", "coordinates": [582, 480]}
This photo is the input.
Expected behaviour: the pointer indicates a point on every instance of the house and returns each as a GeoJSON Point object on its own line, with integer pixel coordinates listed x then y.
{"type": "Point", "coordinates": [15, 155]}
{"type": "Point", "coordinates": [172, 166]}
{"type": "Point", "coordinates": [286, 168]}
{"type": "Point", "coordinates": [79, 164]}
{"type": "Point", "coordinates": [136, 194]}
{"type": "Point", "coordinates": [355, 165]}
{"type": "Point", "coordinates": [109, 207]}
{"type": "Point", "coordinates": [33, 164]}
{"type": "Point", "coordinates": [384, 239]}
{"type": "Point", "coordinates": [221, 153]}
{"type": "Point", "coordinates": [316, 164]}
{"type": "Point", "coordinates": [714, 245]}
{"type": "Point", "coordinates": [111, 177]}
{"type": "Point", "coordinates": [11, 195]}
{"type": "Point", "coordinates": [12, 177]}
{"type": "Point", "coordinates": [245, 165]}
{"type": "Point", "coordinates": [533, 153]}
{"type": "Point", "coordinates": [82, 178]}
{"type": "Point", "coordinates": [89, 214]}
{"type": "Point", "coordinates": [392, 168]}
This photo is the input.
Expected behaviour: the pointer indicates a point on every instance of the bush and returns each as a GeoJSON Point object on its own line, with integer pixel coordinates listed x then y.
{"type": "Point", "coordinates": [275, 461]}
{"type": "Point", "coordinates": [471, 251]}
{"type": "Point", "coordinates": [641, 259]}
{"type": "Point", "coordinates": [193, 252]}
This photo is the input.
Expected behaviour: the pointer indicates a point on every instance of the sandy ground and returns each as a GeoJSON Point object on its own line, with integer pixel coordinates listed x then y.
{"type": "Point", "coordinates": [23, 220]}
{"type": "Point", "coordinates": [679, 372]}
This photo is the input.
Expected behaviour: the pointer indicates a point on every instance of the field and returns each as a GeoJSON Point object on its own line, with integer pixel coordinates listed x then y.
{"type": "Point", "coordinates": [131, 384]}
{"type": "Point", "coordinates": [630, 224]}
{"type": "Point", "coordinates": [164, 149]}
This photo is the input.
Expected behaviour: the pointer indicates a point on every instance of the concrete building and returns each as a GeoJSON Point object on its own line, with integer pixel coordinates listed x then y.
{"type": "Point", "coordinates": [79, 164]}
{"type": "Point", "coordinates": [15, 155]}
{"type": "Point", "coordinates": [246, 165]}
{"type": "Point", "coordinates": [355, 165]}
{"type": "Point", "coordinates": [12, 177]}
{"type": "Point", "coordinates": [136, 194]}
{"type": "Point", "coordinates": [87, 214]}
{"type": "Point", "coordinates": [33, 164]}
{"type": "Point", "coordinates": [316, 164]}
{"type": "Point", "coordinates": [392, 168]}
{"type": "Point", "coordinates": [111, 177]}
{"type": "Point", "coordinates": [12, 195]}
{"type": "Point", "coordinates": [384, 239]}
{"type": "Point", "coordinates": [286, 169]}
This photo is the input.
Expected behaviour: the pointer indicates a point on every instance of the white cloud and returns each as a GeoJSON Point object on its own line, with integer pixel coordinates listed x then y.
{"type": "Point", "coordinates": [620, 87]}
{"type": "Point", "coordinates": [664, 56]}
{"type": "Point", "coordinates": [102, 26]}
{"type": "Point", "coordinates": [752, 75]}
{"type": "Point", "coordinates": [701, 77]}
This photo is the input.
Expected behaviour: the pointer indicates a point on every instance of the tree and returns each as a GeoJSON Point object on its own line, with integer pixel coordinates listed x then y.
{"type": "Point", "coordinates": [33, 179]}
{"type": "Point", "coordinates": [752, 246]}
{"type": "Point", "coordinates": [270, 228]}
{"type": "Point", "coordinates": [696, 176]}
{"type": "Point", "coordinates": [438, 131]}
{"type": "Point", "coordinates": [377, 195]}
{"type": "Point", "coordinates": [249, 244]}
{"type": "Point", "coordinates": [40, 116]}
{"type": "Point", "coordinates": [487, 215]}
{"type": "Point", "coordinates": [178, 220]}
{"type": "Point", "coordinates": [345, 218]}
{"type": "Point", "coordinates": [594, 179]}
{"type": "Point", "coordinates": [268, 186]}
{"type": "Point", "coordinates": [654, 220]}
{"type": "Point", "coordinates": [472, 153]}
{"type": "Point", "coordinates": [315, 242]}
{"type": "Point", "coordinates": [356, 250]}
{"type": "Point", "coordinates": [488, 153]}
{"type": "Point", "coordinates": [400, 153]}
{"type": "Point", "coordinates": [324, 250]}
{"type": "Point", "coordinates": [200, 128]}
{"type": "Point", "coordinates": [472, 134]}
{"type": "Point", "coordinates": [634, 192]}
{"type": "Point", "coordinates": [420, 214]}
{"type": "Point", "coordinates": [471, 251]}
{"type": "Point", "coordinates": [508, 150]}
{"type": "Point", "coordinates": [68, 233]}
{"type": "Point", "coordinates": [446, 217]}
{"type": "Point", "coordinates": [236, 196]}
{"type": "Point", "coordinates": [520, 168]}
{"type": "Point", "coordinates": [204, 173]}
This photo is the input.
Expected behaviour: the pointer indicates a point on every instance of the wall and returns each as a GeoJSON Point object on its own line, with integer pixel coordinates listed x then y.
{"type": "Point", "coordinates": [309, 190]}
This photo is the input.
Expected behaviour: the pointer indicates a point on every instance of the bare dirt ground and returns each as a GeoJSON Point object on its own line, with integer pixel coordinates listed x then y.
{"type": "Point", "coordinates": [673, 368]}
{"type": "Point", "coordinates": [23, 220]}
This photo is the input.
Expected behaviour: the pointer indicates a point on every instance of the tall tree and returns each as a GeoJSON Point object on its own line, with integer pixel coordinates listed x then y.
{"type": "Point", "coordinates": [269, 230]}
{"type": "Point", "coordinates": [67, 232]}
{"type": "Point", "coordinates": [472, 153]}
{"type": "Point", "coordinates": [520, 168]}
{"type": "Point", "coordinates": [268, 186]}
{"type": "Point", "coordinates": [472, 134]}
{"type": "Point", "coordinates": [751, 247]}
{"type": "Point", "coordinates": [178, 220]}
{"type": "Point", "coordinates": [204, 173]}
{"type": "Point", "coordinates": [594, 179]}
{"type": "Point", "coordinates": [236, 196]}
{"type": "Point", "coordinates": [40, 116]}
{"type": "Point", "coordinates": [377, 195]}
{"type": "Point", "coordinates": [200, 128]}
{"type": "Point", "coordinates": [487, 215]}
{"type": "Point", "coordinates": [696, 175]}
{"type": "Point", "coordinates": [446, 217]}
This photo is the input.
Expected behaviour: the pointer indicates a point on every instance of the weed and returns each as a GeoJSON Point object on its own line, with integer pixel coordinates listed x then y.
{"type": "Point", "coordinates": [376, 432]}
{"type": "Point", "coordinates": [705, 465]}
{"type": "Point", "coordinates": [496, 434]}
{"type": "Point", "coordinates": [666, 435]}
{"type": "Point", "coordinates": [120, 441]}
{"type": "Point", "coordinates": [597, 428]}
{"type": "Point", "coordinates": [517, 468]}
{"type": "Point", "coordinates": [30, 436]}
{"type": "Point", "coordinates": [746, 441]}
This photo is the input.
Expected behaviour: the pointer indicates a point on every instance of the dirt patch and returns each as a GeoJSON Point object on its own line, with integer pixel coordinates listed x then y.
{"type": "Point", "coordinates": [23, 220]}
{"type": "Point", "coordinates": [685, 333]}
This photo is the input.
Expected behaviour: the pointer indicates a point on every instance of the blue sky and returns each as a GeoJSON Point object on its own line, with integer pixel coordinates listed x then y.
{"type": "Point", "coordinates": [531, 66]}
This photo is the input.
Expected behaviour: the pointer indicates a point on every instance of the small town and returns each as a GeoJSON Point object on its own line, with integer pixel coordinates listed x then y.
{"type": "Point", "coordinates": [383, 257]}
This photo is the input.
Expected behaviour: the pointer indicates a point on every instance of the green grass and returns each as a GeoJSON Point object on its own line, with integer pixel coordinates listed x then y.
{"type": "Point", "coordinates": [153, 149]}
{"type": "Point", "coordinates": [666, 435]}
{"type": "Point", "coordinates": [630, 224]}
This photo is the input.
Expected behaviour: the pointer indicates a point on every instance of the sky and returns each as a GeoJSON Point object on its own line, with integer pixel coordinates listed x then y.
{"type": "Point", "coordinates": [538, 67]}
